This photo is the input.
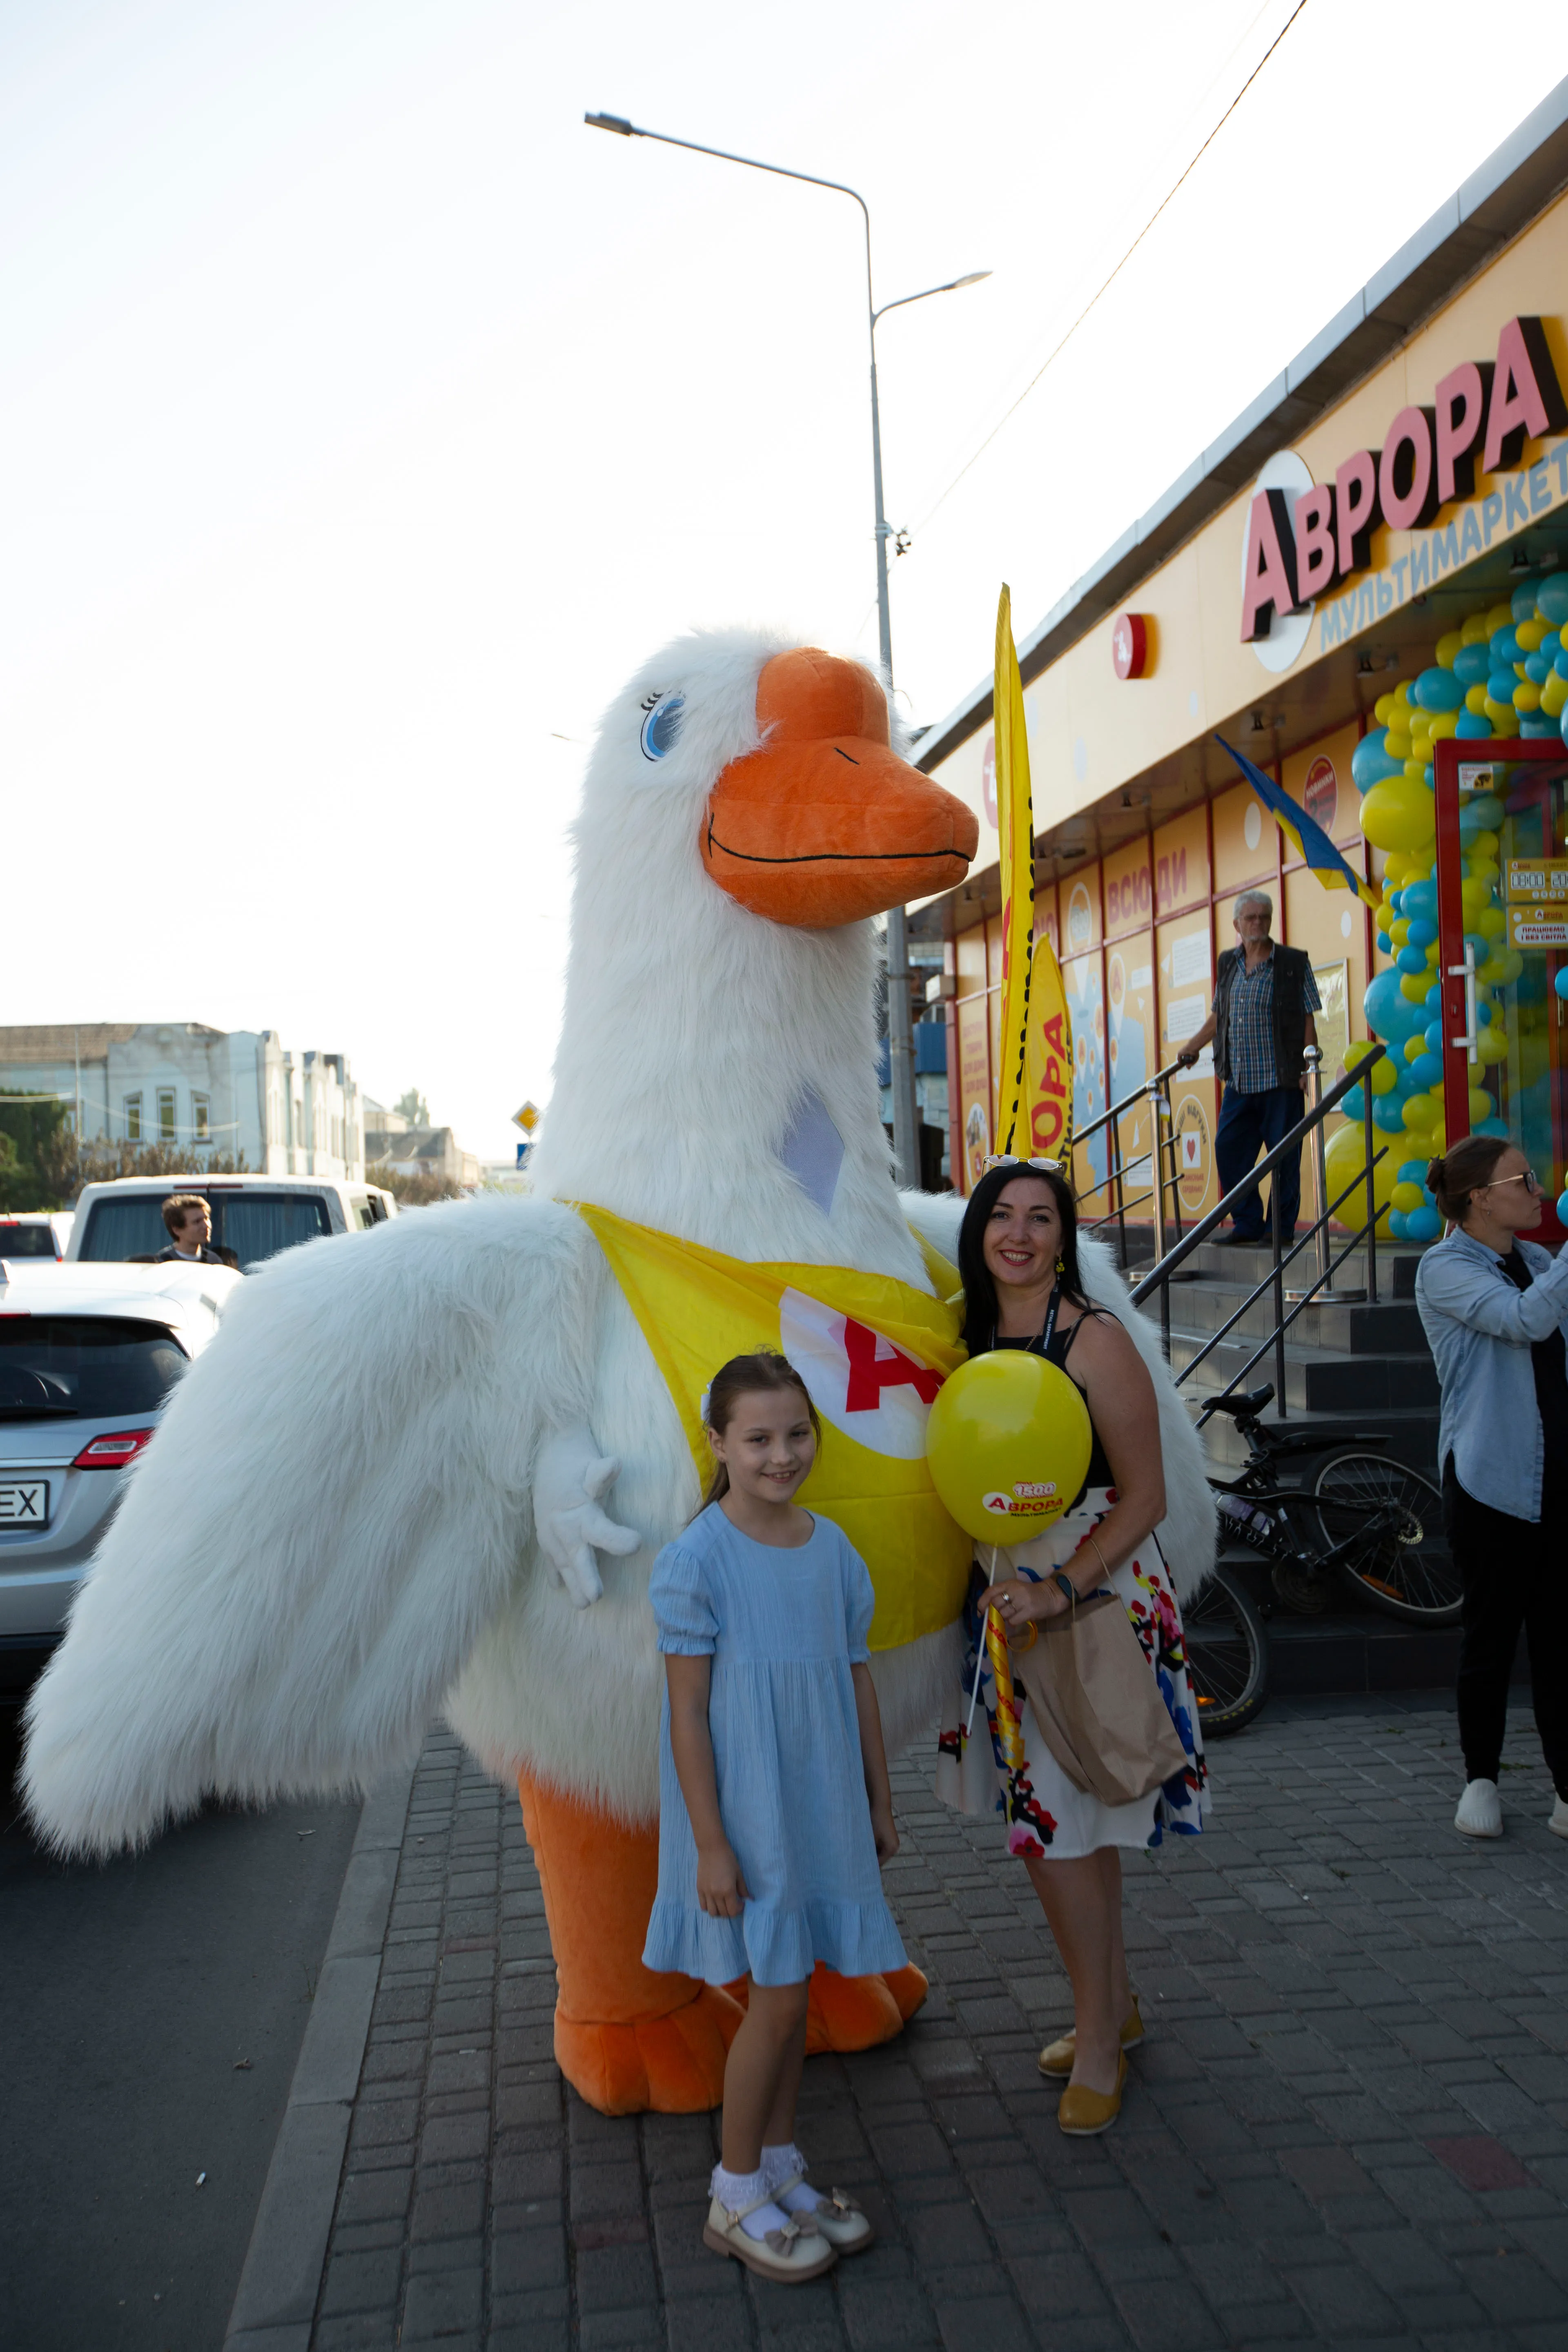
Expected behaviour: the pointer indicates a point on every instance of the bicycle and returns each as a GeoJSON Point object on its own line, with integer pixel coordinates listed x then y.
{"type": "Point", "coordinates": [1365, 1519]}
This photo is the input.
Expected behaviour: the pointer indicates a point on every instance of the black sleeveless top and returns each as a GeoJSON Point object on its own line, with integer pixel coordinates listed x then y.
{"type": "Point", "coordinates": [1055, 1350]}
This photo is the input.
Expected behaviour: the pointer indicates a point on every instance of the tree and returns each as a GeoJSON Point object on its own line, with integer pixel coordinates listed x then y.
{"type": "Point", "coordinates": [34, 1138]}
{"type": "Point", "coordinates": [413, 1107]}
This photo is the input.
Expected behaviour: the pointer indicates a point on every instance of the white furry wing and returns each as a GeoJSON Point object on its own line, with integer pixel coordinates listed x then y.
{"type": "Point", "coordinates": [332, 1512]}
{"type": "Point", "coordinates": [1186, 1533]}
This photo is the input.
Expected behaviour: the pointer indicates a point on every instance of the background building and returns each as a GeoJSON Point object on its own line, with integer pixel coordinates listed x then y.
{"type": "Point", "coordinates": [1145, 835]}
{"type": "Point", "coordinates": [194, 1089]}
{"type": "Point", "coordinates": [393, 1141]}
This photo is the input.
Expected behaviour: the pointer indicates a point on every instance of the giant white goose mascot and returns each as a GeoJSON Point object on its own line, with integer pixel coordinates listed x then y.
{"type": "Point", "coordinates": [428, 1468]}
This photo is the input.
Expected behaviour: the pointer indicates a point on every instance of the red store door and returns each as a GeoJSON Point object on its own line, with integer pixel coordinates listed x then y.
{"type": "Point", "coordinates": [1502, 918]}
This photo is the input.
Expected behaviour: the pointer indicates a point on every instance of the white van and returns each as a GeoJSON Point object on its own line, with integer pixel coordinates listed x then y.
{"type": "Point", "coordinates": [254, 1216]}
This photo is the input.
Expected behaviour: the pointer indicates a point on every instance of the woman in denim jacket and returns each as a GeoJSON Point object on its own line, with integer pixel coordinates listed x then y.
{"type": "Point", "coordinates": [1495, 1309]}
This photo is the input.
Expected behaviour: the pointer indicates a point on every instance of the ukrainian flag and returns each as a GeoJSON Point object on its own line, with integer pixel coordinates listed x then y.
{"type": "Point", "coordinates": [1302, 831]}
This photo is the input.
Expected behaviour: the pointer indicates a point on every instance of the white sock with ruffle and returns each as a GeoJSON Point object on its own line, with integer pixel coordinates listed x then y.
{"type": "Point", "coordinates": [736, 2190]}
{"type": "Point", "coordinates": [781, 2163]}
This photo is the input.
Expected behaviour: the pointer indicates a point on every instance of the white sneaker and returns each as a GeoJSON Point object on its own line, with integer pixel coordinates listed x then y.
{"type": "Point", "coordinates": [1557, 1819]}
{"type": "Point", "coordinates": [1481, 1810]}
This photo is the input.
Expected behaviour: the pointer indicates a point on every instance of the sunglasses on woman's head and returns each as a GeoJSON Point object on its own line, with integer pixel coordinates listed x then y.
{"type": "Point", "coordinates": [1011, 1159]}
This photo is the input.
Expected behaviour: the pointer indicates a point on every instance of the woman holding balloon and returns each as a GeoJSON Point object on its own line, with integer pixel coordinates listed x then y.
{"type": "Point", "coordinates": [1024, 1295]}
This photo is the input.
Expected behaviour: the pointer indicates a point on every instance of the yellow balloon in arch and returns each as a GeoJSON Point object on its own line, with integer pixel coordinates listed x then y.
{"type": "Point", "coordinates": [1007, 1445]}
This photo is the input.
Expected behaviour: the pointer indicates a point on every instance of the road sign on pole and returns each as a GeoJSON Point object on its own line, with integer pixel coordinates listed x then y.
{"type": "Point", "coordinates": [527, 1118]}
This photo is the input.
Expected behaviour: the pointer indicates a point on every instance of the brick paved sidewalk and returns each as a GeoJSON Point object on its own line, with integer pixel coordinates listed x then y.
{"type": "Point", "coordinates": [1350, 2123]}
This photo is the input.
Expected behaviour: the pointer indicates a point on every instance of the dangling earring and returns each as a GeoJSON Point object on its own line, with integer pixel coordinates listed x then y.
{"type": "Point", "coordinates": [1061, 1265]}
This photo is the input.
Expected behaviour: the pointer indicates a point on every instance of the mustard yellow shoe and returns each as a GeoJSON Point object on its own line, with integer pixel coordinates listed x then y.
{"type": "Point", "coordinates": [1058, 2057]}
{"type": "Point", "coordinates": [1083, 2113]}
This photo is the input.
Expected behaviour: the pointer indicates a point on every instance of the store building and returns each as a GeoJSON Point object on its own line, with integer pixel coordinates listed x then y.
{"type": "Point", "coordinates": [1407, 471]}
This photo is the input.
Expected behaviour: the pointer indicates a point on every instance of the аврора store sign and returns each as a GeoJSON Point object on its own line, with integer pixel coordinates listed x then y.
{"type": "Point", "coordinates": [1299, 549]}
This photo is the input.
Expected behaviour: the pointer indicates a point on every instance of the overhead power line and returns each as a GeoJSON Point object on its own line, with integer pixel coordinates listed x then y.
{"type": "Point", "coordinates": [1055, 352]}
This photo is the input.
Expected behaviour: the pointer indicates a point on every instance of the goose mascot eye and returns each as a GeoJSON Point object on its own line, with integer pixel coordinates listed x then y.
{"type": "Point", "coordinates": [661, 725]}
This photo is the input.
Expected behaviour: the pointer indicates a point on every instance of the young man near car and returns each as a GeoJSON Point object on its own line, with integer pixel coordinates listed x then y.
{"type": "Point", "coordinates": [189, 1221]}
{"type": "Point", "coordinates": [1264, 1000]}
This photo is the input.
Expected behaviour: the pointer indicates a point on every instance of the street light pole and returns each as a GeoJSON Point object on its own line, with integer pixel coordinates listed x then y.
{"type": "Point", "coordinates": [900, 1029]}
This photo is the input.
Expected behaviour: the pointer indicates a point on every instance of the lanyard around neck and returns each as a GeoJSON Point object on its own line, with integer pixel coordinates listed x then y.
{"type": "Point", "coordinates": [1041, 1342]}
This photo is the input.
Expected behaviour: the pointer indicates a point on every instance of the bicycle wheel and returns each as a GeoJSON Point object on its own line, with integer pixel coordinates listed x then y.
{"type": "Point", "coordinates": [1228, 1654]}
{"type": "Point", "coordinates": [1391, 1519]}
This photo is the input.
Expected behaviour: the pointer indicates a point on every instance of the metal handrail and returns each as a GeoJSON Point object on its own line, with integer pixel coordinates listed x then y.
{"type": "Point", "coordinates": [1156, 1092]}
{"type": "Point", "coordinates": [1159, 1276]}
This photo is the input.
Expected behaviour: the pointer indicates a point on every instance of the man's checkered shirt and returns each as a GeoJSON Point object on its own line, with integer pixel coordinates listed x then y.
{"type": "Point", "coordinates": [1251, 1029]}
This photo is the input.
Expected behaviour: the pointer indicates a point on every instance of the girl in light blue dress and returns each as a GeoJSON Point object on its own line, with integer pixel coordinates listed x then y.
{"type": "Point", "coordinates": [774, 1806]}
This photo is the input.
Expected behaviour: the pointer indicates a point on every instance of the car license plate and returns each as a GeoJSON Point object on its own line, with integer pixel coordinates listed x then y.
{"type": "Point", "coordinates": [24, 1503]}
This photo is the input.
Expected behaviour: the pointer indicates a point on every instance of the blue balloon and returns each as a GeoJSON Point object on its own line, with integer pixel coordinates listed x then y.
{"type": "Point", "coordinates": [1521, 603]}
{"type": "Point", "coordinates": [1412, 1171]}
{"type": "Point", "coordinates": [1498, 1126]}
{"type": "Point", "coordinates": [1538, 667]}
{"type": "Point", "coordinates": [1504, 648]}
{"type": "Point", "coordinates": [1438, 689]}
{"type": "Point", "coordinates": [1370, 764]}
{"type": "Point", "coordinates": [1425, 1072]}
{"type": "Point", "coordinates": [1471, 665]}
{"type": "Point", "coordinates": [1352, 1102]}
{"type": "Point", "coordinates": [1563, 1208]}
{"type": "Point", "coordinates": [1501, 685]}
{"type": "Point", "coordinates": [1423, 1224]}
{"type": "Point", "coordinates": [1385, 944]}
{"type": "Point", "coordinates": [1431, 1002]}
{"type": "Point", "coordinates": [1421, 934]}
{"type": "Point", "coordinates": [1559, 661]}
{"type": "Point", "coordinates": [1419, 899]}
{"type": "Point", "coordinates": [1389, 1011]}
{"type": "Point", "coordinates": [1486, 811]}
{"type": "Point", "coordinates": [1551, 599]}
{"type": "Point", "coordinates": [1537, 722]}
{"type": "Point", "coordinates": [1412, 959]}
{"type": "Point", "coordinates": [1396, 1224]}
{"type": "Point", "coordinates": [1396, 902]}
{"type": "Point", "coordinates": [1473, 725]}
{"type": "Point", "coordinates": [1483, 1007]}
{"type": "Point", "coordinates": [1551, 644]}
{"type": "Point", "coordinates": [1388, 1113]}
{"type": "Point", "coordinates": [1434, 1037]}
{"type": "Point", "coordinates": [1561, 983]}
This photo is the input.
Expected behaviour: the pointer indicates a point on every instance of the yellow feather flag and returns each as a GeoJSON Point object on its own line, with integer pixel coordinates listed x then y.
{"type": "Point", "coordinates": [1034, 1117]}
{"type": "Point", "coordinates": [872, 1351]}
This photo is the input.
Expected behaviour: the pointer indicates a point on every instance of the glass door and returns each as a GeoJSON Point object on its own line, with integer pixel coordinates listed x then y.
{"type": "Point", "coordinates": [1502, 918]}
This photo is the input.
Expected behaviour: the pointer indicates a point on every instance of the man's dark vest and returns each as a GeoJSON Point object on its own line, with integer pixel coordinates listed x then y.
{"type": "Point", "coordinates": [1291, 966]}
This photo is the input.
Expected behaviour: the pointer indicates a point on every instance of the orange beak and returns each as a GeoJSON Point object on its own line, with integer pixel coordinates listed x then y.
{"type": "Point", "coordinates": [825, 825]}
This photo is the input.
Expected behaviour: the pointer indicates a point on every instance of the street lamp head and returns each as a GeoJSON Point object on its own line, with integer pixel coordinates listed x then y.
{"type": "Point", "coordinates": [974, 279]}
{"type": "Point", "coordinates": [617, 122]}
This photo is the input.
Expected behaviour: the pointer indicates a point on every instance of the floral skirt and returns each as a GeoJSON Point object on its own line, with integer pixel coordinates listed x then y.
{"type": "Point", "coordinates": [1044, 1813]}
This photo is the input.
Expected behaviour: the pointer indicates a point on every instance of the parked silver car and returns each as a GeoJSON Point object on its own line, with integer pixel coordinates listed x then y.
{"type": "Point", "coordinates": [88, 1357]}
{"type": "Point", "coordinates": [42, 1233]}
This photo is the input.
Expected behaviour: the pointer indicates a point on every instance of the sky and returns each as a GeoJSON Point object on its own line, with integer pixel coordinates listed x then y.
{"type": "Point", "coordinates": [365, 420]}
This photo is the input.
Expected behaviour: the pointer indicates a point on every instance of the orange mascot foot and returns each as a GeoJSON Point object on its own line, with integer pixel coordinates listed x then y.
{"type": "Point", "coordinates": [855, 2012]}
{"type": "Point", "coordinates": [627, 2038]}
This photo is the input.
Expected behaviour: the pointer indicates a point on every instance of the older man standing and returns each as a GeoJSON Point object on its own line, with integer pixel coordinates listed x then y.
{"type": "Point", "coordinates": [1261, 1024]}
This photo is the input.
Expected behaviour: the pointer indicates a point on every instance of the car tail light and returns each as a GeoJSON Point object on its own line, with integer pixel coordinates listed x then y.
{"type": "Point", "coordinates": [114, 1452]}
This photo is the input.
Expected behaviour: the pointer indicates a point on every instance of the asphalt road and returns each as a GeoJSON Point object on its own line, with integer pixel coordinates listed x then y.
{"type": "Point", "coordinates": [131, 1997]}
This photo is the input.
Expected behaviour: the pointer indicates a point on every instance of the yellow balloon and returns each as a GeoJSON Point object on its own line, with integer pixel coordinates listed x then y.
{"type": "Point", "coordinates": [1499, 618]}
{"type": "Point", "coordinates": [1493, 923]}
{"type": "Point", "coordinates": [1414, 985]}
{"type": "Point", "coordinates": [1482, 1104]}
{"type": "Point", "coordinates": [1007, 1443]}
{"type": "Point", "coordinates": [1398, 813]}
{"type": "Point", "coordinates": [1408, 1197]}
{"type": "Point", "coordinates": [1418, 1114]}
{"type": "Point", "coordinates": [1476, 698]}
{"type": "Point", "coordinates": [1399, 931]}
{"type": "Point", "coordinates": [1499, 713]}
{"type": "Point", "coordinates": [1529, 633]}
{"type": "Point", "coordinates": [1384, 1076]}
{"type": "Point", "coordinates": [1444, 724]}
{"type": "Point", "coordinates": [1475, 631]}
{"type": "Point", "coordinates": [1414, 1046]}
{"type": "Point", "coordinates": [1345, 1158]}
{"type": "Point", "coordinates": [1447, 647]}
{"type": "Point", "coordinates": [1492, 1043]}
{"type": "Point", "coordinates": [1527, 695]}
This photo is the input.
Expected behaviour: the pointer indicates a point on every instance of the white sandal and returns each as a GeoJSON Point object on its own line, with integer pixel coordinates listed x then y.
{"type": "Point", "coordinates": [839, 2218]}
{"type": "Point", "coordinates": [792, 2254]}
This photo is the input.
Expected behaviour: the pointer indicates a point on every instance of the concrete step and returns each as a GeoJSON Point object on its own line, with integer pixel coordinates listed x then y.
{"type": "Point", "coordinates": [1316, 1379]}
{"type": "Point", "coordinates": [1354, 1649]}
{"type": "Point", "coordinates": [1391, 1329]}
{"type": "Point", "coordinates": [1396, 1269]}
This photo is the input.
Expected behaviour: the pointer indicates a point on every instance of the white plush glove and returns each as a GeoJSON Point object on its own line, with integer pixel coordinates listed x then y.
{"type": "Point", "coordinates": [570, 1481]}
